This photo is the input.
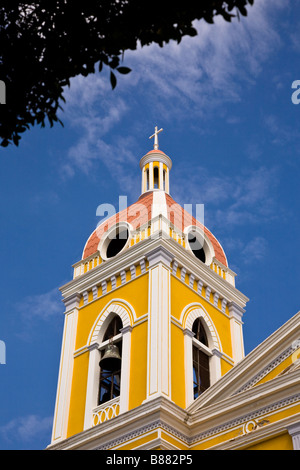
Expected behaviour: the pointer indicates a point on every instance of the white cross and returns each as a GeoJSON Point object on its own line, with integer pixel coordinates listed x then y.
{"type": "Point", "coordinates": [155, 146]}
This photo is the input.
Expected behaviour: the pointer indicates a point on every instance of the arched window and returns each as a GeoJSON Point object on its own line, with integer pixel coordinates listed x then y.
{"type": "Point", "coordinates": [164, 180]}
{"type": "Point", "coordinates": [201, 375]}
{"type": "Point", "coordinates": [147, 180]}
{"type": "Point", "coordinates": [110, 376]}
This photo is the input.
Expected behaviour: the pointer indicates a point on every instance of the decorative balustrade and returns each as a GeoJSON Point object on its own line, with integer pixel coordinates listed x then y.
{"type": "Point", "coordinates": [106, 411]}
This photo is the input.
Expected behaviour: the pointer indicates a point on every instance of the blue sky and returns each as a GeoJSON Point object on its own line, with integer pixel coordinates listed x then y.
{"type": "Point", "coordinates": [223, 99]}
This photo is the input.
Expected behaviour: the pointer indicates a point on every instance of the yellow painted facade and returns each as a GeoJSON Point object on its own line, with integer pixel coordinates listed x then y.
{"type": "Point", "coordinates": [159, 288]}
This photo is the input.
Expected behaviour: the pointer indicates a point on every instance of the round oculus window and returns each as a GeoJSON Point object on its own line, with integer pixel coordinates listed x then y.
{"type": "Point", "coordinates": [115, 242]}
{"type": "Point", "coordinates": [196, 245]}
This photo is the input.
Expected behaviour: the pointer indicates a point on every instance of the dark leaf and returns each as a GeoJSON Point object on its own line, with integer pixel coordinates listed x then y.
{"type": "Point", "coordinates": [113, 80]}
{"type": "Point", "coordinates": [123, 70]}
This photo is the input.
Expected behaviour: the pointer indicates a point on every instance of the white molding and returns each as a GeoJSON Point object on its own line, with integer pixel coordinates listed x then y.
{"type": "Point", "coordinates": [138, 252]}
{"type": "Point", "coordinates": [72, 302]}
{"type": "Point", "coordinates": [195, 310]}
{"type": "Point", "coordinates": [260, 434]}
{"type": "Point", "coordinates": [119, 306]}
{"type": "Point", "coordinates": [159, 255]}
{"type": "Point", "coordinates": [95, 292]}
{"type": "Point", "coordinates": [156, 157]}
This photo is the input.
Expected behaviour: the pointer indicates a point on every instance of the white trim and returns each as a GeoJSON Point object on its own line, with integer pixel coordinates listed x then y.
{"type": "Point", "coordinates": [156, 157]}
{"type": "Point", "coordinates": [196, 310]}
{"type": "Point", "coordinates": [120, 307]}
{"type": "Point", "coordinates": [137, 252]}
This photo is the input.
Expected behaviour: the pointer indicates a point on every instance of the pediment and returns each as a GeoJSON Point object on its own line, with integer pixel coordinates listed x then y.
{"type": "Point", "coordinates": [277, 356]}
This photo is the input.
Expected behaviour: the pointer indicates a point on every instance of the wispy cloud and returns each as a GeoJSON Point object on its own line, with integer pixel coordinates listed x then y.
{"type": "Point", "coordinates": [26, 429]}
{"type": "Point", "coordinates": [254, 250]}
{"type": "Point", "coordinates": [39, 307]}
{"type": "Point", "coordinates": [246, 197]}
{"type": "Point", "coordinates": [176, 81]}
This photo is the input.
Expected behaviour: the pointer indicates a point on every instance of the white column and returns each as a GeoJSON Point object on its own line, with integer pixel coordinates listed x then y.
{"type": "Point", "coordinates": [215, 366]}
{"type": "Point", "coordinates": [151, 181]}
{"type": "Point", "coordinates": [62, 404]}
{"type": "Point", "coordinates": [236, 327]}
{"type": "Point", "coordinates": [167, 181]}
{"type": "Point", "coordinates": [188, 365]}
{"type": "Point", "coordinates": [294, 431]}
{"type": "Point", "coordinates": [161, 169]}
{"type": "Point", "coordinates": [92, 388]}
{"type": "Point", "coordinates": [125, 368]}
{"type": "Point", "coordinates": [159, 325]}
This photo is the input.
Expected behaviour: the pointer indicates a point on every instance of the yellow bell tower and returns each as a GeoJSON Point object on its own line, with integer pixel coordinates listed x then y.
{"type": "Point", "coordinates": [152, 321]}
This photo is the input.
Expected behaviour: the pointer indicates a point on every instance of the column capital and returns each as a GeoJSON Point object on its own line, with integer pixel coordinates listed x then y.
{"type": "Point", "coordinates": [294, 431]}
{"type": "Point", "coordinates": [72, 302]}
{"type": "Point", "coordinates": [235, 311]}
{"type": "Point", "coordinates": [159, 255]}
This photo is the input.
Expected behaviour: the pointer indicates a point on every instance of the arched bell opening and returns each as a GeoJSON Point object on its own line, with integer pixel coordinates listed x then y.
{"type": "Point", "coordinates": [111, 361]}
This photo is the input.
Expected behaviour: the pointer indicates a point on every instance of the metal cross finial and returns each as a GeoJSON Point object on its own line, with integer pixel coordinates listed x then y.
{"type": "Point", "coordinates": [155, 146]}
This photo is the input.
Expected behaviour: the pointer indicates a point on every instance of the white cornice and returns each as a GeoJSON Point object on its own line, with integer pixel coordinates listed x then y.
{"type": "Point", "coordinates": [260, 434]}
{"type": "Point", "coordinates": [156, 157]}
{"type": "Point", "coordinates": [128, 425]}
{"type": "Point", "coordinates": [139, 252]}
{"type": "Point", "coordinates": [160, 413]}
{"type": "Point", "coordinates": [257, 398]}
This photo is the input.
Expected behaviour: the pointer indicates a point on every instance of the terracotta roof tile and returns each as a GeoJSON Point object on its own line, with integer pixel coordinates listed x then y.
{"type": "Point", "coordinates": [182, 219]}
{"type": "Point", "coordinates": [139, 213]}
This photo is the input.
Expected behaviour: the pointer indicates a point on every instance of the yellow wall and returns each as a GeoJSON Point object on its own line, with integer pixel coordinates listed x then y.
{"type": "Point", "coordinates": [282, 442]}
{"type": "Point", "coordinates": [78, 394]}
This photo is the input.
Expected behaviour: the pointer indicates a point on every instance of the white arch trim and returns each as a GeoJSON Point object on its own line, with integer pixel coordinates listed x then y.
{"type": "Point", "coordinates": [193, 311]}
{"type": "Point", "coordinates": [119, 306]}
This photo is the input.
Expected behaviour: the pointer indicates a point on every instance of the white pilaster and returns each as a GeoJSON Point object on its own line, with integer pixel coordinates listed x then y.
{"type": "Point", "coordinates": [125, 371]}
{"type": "Point", "coordinates": [63, 393]}
{"type": "Point", "coordinates": [236, 327]}
{"type": "Point", "coordinates": [159, 325]}
{"type": "Point", "coordinates": [188, 366]}
{"type": "Point", "coordinates": [92, 388]}
{"type": "Point", "coordinates": [294, 431]}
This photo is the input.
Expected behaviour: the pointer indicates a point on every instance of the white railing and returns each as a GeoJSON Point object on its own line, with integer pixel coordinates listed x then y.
{"type": "Point", "coordinates": [106, 411]}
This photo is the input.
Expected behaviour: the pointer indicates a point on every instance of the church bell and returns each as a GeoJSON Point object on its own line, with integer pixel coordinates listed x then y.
{"type": "Point", "coordinates": [111, 359]}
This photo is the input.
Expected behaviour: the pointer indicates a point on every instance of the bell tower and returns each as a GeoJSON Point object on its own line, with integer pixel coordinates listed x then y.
{"type": "Point", "coordinates": [152, 320]}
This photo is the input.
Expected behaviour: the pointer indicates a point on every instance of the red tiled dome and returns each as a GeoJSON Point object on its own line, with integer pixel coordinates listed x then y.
{"type": "Point", "coordinates": [140, 213]}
